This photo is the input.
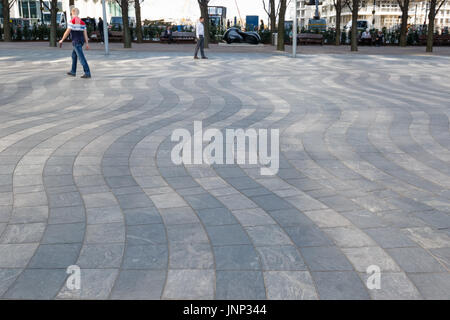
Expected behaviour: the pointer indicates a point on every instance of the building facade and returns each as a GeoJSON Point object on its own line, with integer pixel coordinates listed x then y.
{"type": "Point", "coordinates": [380, 13]}
{"type": "Point", "coordinates": [32, 11]}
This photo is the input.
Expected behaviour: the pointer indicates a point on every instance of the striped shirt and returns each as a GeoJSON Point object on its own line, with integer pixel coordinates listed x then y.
{"type": "Point", "coordinates": [77, 27]}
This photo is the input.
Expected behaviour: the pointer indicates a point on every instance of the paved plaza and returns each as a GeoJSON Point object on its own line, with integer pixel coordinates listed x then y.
{"type": "Point", "coordinates": [86, 177]}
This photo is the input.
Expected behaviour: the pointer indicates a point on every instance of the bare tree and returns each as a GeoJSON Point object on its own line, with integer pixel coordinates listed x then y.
{"type": "Point", "coordinates": [53, 8]}
{"type": "Point", "coordinates": [281, 19]}
{"type": "Point", "coordinates": [338, 7]}
{"type": "Point", "coordinates": [435, 6]}
{"type": "Point", "coordinates": [271, 13]}
{"type": "Point", "coordinates": [203, 4]}
{"type": "Point", "coordinates": [354, 8]}
{"type": "Point", "coordinates": [137, 8]}
{"type": "Point", "coordinates": [7, 5]}
{"type": "Point", "coordinates": [404, 7]}
{"type": "Point", "coordinates": [124, 5]}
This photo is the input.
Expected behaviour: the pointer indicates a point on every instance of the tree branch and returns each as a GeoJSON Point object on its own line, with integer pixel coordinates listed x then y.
{"type": "Point", "coordinates": [440, 6]}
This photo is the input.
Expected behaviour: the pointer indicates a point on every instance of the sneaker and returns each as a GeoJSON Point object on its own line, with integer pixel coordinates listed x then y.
{"type": "Point", "coordinates": [204, 57]}
{"type": "Point", "coordinates": [85, 76]}
{"type": "Point", "coordinates": [71, 74]}
{"type": "Point", "coordinates": [195, 58]}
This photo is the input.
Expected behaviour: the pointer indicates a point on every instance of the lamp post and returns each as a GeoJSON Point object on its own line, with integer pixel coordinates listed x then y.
{"type": "Point", "coordinates": [294, 31]}
{"type": "Point", "coordinates": [105, 28]}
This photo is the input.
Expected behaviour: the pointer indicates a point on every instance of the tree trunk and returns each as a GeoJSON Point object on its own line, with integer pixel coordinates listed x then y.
{"type": "Point", "coordinates": [71, 3]}
{"type": "Point", "coordinates": [431, 16]}
{"type": "Point", "coordinates": [204, 13]}
{"type": "Point", "coordinates": [137, 8]}
{"type": "Point", "coordinates": [126, 25]}
{"type": "Point", "coordinates": [404, 26]}
{"type": "Point", "coordinates": [6, 24]}
{"type": "Point", "coordinates": [53, 23]}
{"type": "Point", "coordinates": [280, 44]}
{"type": "Point", "coordinates": [338, 22]}
{"type": "Point", "coordinates": [273, 16]}
{"type": "Point", "coordinates": [355, 9]}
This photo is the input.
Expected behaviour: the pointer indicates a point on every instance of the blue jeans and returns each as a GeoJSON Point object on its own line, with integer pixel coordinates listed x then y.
{"type": "Point", "coordinates": [77, 53]}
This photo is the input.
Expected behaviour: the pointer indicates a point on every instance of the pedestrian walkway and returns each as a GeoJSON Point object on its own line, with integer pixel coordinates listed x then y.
{"type": "Point", "coordinates": [86, 177]}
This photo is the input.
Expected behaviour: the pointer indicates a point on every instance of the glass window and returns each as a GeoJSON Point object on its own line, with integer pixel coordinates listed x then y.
{"type": "Point", "coordinates": [25, 11]}
{"type": "Point", "coordinates": [33, 10]}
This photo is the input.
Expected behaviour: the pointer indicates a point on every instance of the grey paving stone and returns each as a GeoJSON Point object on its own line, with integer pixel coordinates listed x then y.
{"type": "Point", "coordinates": [362, 258]}
{"type": "Point", "coordinates": [241, 257]}
{"type": "Point", "coordinates": [189, 284]}
{"type": "Point", "coordinates": [289, 285]}
{"type": "Point", "coordinates": [42, 284]}
{"type": "Point", "coordinates": [433, 286]}
{"type": "Point", "coordinates": [104, 215]}
{"type": "Point", "coordinates": [216, 216]}
{"type": "Point", "coordinates": [190, 256]}
{"type": "Point", "coordinates": [95, 256]}
{"type": "Point", "coordinates": [227, 235]}
{"type": "Point", "coordinates": [64, 233]}
{"type": "Point", "coordinates": [415, 260]}
{"type": "Point", "coordinates": [99, 200]}
{"type": "Point", "coordinates": [52, 256]}
{"type": "Point", "coordinates": [370, 180]}
{"type": "Point", "coordinates": [168, 200]}
{"type": "Point", "coordinates": [22, 233]}
{"type": "Point", "coordinates": [203, 201]}
{"type": "Point", "coordinates": [307, 236]}
{"type": "Point", "coordinates": [271, 202]}
{"type": "Point", "coordinates": [69, 199]}
{"type": "Point", "coordinates": [340, 285]}
{"type": "Point", "coordinates": [349, 237]}
{"type": "Point", "coordinates": [390, 238]}
{"type": "Point", "coordinates": [327, 218]}
{"type": "Point", "coordinates": [253, 217]}
{"type": "Point", "coordinates": [240, 285]}
{"type": "Point", "coordinates": [131, 201]}
{"type": "Point", "coordinates": [326, 259]}
{"type": "Point", "coordinates": [268, 235]}
{"type": "Point", "coordinates": [7, 277]}
{"type": "Point", "coordinates": [428, 238]}
{"type": "Point", "coordinates": [105, 233]}
{"type": "Point", "coordinates": [29, 215]}
{"type": "Point", "coordinates": [290, 217]}
{"type": "Point", "coordinates": [187, 233]}
{"type": "Point", "coordinates": [145, 257]}
{"type": "Point", "coordinates": [16, 255]}
{"type": "Point", "coordinates": [146, 234]}
{"type": "Point", "coordinates": [237, 202]}
{"type": "Point", "coordinates": [279, 258]}
{"type": "Point", "coordinates": [182, 215]}
{"type": "Point", "coordinates": [139, 284]}
{"type": "Point", "coordinates": [66, 215]}
{"type": "Point", "coordinates": [442, 255]}
{"type": "Point", "coordinates": [142, 216]}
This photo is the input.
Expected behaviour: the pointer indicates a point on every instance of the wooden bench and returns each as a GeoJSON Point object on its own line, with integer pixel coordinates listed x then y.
{"type": "Point", "coordinates": [179, 36]}
{"type": "Point", "coordinates": [438, 40]}
{"type": "Point", "coordinates": [313, 38]}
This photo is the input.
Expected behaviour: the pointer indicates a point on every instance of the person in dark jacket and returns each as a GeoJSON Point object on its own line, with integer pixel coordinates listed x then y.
{"type": "Point", "coordinates": [100, 29]}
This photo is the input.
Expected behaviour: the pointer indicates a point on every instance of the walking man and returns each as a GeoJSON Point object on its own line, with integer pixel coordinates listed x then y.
{"type": "Point", "coordinates": [77, 30]}
{"type": "Point", "coordinates": [200, 31]}
{"type": "Point", "coordinates": [101, 30]}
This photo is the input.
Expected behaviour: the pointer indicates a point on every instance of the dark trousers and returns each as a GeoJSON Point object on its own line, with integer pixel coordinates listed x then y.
{"type": "Point", "coordinates": [201, 46]}
{"type": "Point", "coordinates": [77, 53]}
